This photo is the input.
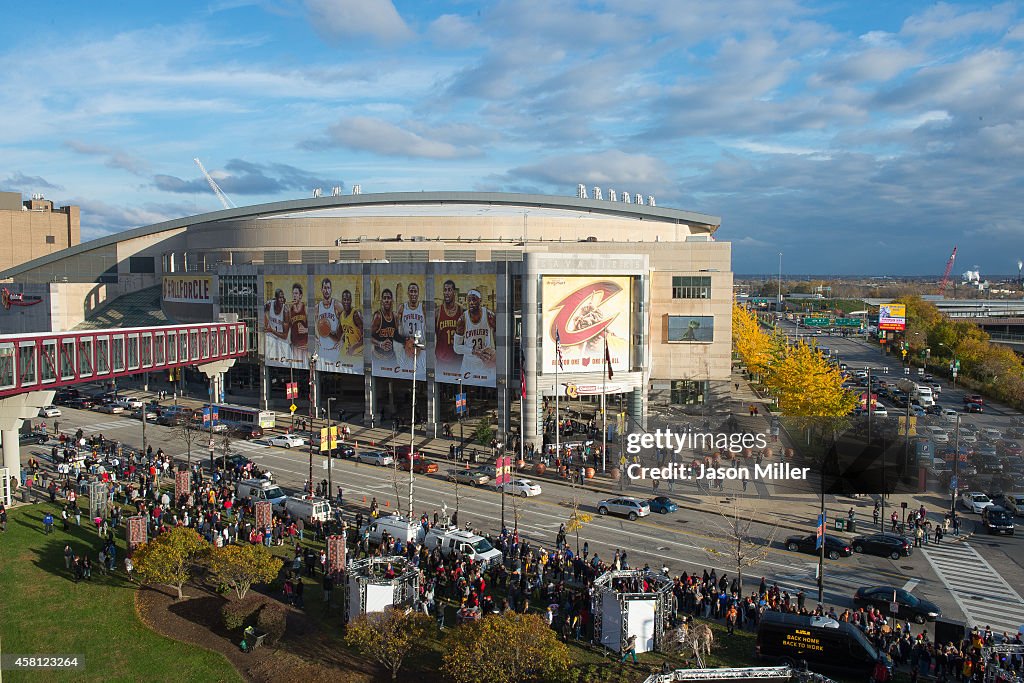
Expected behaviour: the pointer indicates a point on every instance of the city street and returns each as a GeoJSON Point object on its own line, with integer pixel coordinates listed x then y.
{"type": "Point", "coordinates": [690, 539]}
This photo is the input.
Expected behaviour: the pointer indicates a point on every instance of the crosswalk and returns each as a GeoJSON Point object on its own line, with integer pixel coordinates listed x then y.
{"type": "Point", "coordinates": [984, 596]}
{"type": "Point", "coordinates": [111, 426]}
{"type": "Point", "coordinates": [248, 446]}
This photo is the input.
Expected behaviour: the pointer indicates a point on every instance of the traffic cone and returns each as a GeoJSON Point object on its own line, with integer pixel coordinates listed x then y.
{"type": "Point", "coordinates": [387, 503]}
{"type": "Point", "coordinates": [364, 500]}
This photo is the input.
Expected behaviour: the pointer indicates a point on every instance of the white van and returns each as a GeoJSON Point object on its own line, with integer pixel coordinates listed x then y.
{"type": "Point", "coordinates": [471, 545]}
{"type": "Point", "coordinates": [260, 489]}
{"type": "Point", "coordinates": [403, 529]}
{"type": "Point", "coordinates": [306, 509]}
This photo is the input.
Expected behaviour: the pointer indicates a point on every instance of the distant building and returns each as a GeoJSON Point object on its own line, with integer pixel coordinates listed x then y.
{"type": "Point", "coordinates": [31, 229]}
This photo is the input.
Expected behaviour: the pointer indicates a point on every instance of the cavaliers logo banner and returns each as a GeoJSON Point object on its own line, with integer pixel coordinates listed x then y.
{"type": "Point", "coordinates": [398, 319]}
{"type": "Point", "coordinates": [465, 344]}
{"type": "Point", "coordinates": [583, 310]}
{"type": "Point", "coordinates": [285, 321]}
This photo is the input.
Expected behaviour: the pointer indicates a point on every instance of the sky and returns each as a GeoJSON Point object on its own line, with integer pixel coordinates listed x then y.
{"type": "Point", "coordinates": [853, 137]}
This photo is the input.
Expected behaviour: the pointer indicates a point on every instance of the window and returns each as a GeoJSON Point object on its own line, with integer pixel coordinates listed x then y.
{"type": "Point", "coordinates": [687, 287]}
{"type": "Point", "coordinates": [688, 392]}
{"type": "Point", "coordinates": [691, 328]}
{"type": "Point", "coordinates": [50, 239]}
{"type": "Point", "coordinates": [141, 264]}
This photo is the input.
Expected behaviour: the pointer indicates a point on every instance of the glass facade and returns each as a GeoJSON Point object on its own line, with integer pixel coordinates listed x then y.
{"type": "Point", "coordinates": [689, 392]}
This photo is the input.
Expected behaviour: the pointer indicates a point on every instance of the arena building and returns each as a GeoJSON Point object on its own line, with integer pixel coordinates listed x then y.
{"type": "Point", "coordinates": [336, 291]}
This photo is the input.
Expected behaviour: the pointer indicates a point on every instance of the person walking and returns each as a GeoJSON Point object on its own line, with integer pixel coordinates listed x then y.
{"type": "Point", "coordinates": [629, 649]}
{"type": "Point", "coordinates": [938, 534]}
{"type": "Point", "coordinates": [48, 523]}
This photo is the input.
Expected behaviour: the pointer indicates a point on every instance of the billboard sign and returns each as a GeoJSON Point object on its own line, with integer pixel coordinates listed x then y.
{"type": "Point", "coordinates": [691, 328]}
{"type": "Point", "coordinates": [285, 322]}
{"type": "Point", "coordinates": [338, 331]}
{"type": "Point", "coordinates": [397, 318]}
{"type": "Point", "coordinates": [188, 289]}
{"type": "Point", "coordinates": [465, 343]}
{"type": "Point", "coordinates": [583, 310]}
{"type": "Point", "coordinates": [892, 317]}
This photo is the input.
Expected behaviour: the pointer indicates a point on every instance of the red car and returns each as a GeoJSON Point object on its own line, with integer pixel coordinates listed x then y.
{"type": "Point", "coordinates": [420, 465]}
{"type": "Point", "coordinates": [974, 398]}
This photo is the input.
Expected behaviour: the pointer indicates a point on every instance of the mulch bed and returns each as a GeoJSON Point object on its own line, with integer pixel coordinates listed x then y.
{"type": "Point", "coordinates": [304, 654]}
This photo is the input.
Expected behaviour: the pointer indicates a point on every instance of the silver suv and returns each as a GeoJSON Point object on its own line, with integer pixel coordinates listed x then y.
{"type": "Point", "coordinates": [627, 507]}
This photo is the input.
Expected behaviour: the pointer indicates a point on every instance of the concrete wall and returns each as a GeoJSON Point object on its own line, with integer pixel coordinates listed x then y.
{"type": "Point", "coordinates": [23, 234]}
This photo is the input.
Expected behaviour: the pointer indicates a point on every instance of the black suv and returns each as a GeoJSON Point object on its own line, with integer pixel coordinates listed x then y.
{"type": "Point", "coordinates": [909, 606]}
{"type": "Point", "coordinates": [885, 545]}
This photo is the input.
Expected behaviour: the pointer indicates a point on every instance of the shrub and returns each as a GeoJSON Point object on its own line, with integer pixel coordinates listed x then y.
{"type": "Point", "coordinates": [273, 620]}
{"type": "Point", "coordinates": [239, 613]}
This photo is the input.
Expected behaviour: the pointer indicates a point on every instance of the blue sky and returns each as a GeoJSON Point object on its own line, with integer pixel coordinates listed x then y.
{"type": "Point", "coordinates": [854, 137]}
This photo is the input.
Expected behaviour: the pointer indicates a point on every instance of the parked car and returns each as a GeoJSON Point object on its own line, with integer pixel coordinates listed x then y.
{"type": "Point", "coordinates": [909, 606]}
{"type": "Point", "coordinates": [1011, 502]}
{"type": "Point", "coordinates": [287, 440]}
{"type": "Point", "coordinates": [625, 507]}
{"type": "Point", "coordinates": [974, 501]}
{"type": "Point", "coordinates": [128, 403]}
{"type": "Point", "coordinates": [934, 409]}
{"type": "Point", "coordinates": [949, 415]}
{"type": "Point", "coordinates": [918, 411]}
{"type": "Point", "coordinates": [834, 547]}
{"type": "Point", "coordinates": [375, 458]}
{"type": "Point", "coordinates": [662, 505]}
{"type": "Point", "coordinates": [235, 459]}
{"type": "Point", "coordinates": [974, 408]}
{"type": "Point", "coordinates": [885, 545]}
{"type": "Point", "coordinates": [62, 396]}
{"type": "Point", "coordinates": [49, 411]}
{"type": "Point", "coordinates": [1007, 448]}
{"type": "Point", "coordinates": [37, 438]}
{"type": "Point", "coordinates": [110, 408]}
{"type": "Point", "coordinates": [475, 477]}
{"type": "Point", "coordinates": [522, 487]}
{"type": "Point", "coordinates": [80, 403]}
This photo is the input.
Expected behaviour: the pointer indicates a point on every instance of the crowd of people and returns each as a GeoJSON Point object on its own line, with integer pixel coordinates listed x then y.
{"type": "Point", "coordinates": [558, 582]}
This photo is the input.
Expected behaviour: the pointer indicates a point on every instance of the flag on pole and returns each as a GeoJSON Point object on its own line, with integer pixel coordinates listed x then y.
{"type": "Point", "coordinates": [522, 371]}
{"type": "Point", "coordinates": [558, 350]}
{"type": "Point", "coordinates": [608, 358]}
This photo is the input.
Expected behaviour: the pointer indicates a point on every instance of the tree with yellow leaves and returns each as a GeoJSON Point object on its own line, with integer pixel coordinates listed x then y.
{"type": "Point", "coordinates": [505, 648]}
{"type": "Point", "coordinates": [755, 347]}
{"type": "Point", "coordinates": [241, 566]}
{"type": "Point", "coordinates": [577, 519]}
{"type": "Point", "coordinates": [807, 385]}
{"type": "Point", "coordinates": [389, 636]}
{"type": "Point", "coordinates": [170, 558]}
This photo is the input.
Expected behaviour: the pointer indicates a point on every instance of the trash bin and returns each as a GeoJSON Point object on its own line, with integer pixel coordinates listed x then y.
{"type": "Point", "coordinates": [840, 525]}
{"type": "Point", "coordinates": [24, 494]}
{"type": "Point", "coordinates": [851, 526]}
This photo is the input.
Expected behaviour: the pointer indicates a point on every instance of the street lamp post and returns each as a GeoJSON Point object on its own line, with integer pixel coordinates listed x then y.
{"type": "Point", "coordinates": [330, 451]}
{"type": "Point", "coordinates": [313, 358]}
{"type": "Point", "coordinates": [417, 346]}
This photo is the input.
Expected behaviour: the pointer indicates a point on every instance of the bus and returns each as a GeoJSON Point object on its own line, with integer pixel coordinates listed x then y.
{"type": "Point", "coordinates": [245, 415]}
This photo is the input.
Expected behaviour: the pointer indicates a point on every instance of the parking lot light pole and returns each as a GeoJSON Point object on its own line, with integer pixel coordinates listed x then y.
{"type": "Point", "coordinates": [313, 358]}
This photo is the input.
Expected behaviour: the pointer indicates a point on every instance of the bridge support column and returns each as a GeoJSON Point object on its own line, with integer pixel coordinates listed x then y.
{"type": "Point", "coordinates": [14, 410]}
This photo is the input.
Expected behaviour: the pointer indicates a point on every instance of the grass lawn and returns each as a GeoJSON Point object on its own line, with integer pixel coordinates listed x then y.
{"type": "Point", "coordinates": [46, 613]}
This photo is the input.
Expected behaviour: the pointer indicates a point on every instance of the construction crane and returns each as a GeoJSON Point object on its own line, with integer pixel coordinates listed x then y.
{"type": "Point", "coordinates": [945, 275]}
{"type": "Point", "coordinates": [224, 199]}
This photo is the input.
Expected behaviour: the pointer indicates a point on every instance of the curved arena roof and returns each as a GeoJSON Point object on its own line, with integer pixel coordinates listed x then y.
{"type": "Point", "coordinates": [466, 204]}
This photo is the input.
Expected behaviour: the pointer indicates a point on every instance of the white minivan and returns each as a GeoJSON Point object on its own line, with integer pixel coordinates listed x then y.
{"type": "Point", "coordinates": [260, 489]}
{"type": "Point", "coordinates": [306, 509]}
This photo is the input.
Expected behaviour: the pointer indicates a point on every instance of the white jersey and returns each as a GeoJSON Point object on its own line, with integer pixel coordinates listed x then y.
{"type": "Point", "coordinates": [275, 348]}
{"type": "Point", "coordinates": [479, 335]}
{"type": "Point", "coordinates": [411, 321]}
{"type": "Point", "coordinates": [329, 351]}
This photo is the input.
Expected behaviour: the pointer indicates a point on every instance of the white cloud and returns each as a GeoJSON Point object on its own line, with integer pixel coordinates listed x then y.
{"type": "Point", "coordinates": [381, 137]}
{"type": "Point", "coordinates": [357, 20]}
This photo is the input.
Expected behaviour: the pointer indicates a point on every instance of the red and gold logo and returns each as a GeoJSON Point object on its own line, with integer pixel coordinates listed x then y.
{"type": "Point", "coordinates": [581, 315]}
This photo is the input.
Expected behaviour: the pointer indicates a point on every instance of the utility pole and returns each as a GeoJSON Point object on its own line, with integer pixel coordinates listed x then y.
{"type": "Point", "coordinates": [330, 450]}
{"type": "Point", "coordinates": [956, 474]}
{"type": "Point", "coordinates": [313, 358]}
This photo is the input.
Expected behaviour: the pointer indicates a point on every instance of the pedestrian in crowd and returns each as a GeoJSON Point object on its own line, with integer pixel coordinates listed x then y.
{"type": "Point", "coordinates": [3, 518]}
{"type": "Point", "coordinates": [328, 588]}
{"type": "Point", "coordinates": [129, 568]}
{"type": "Point", "coordinates": [48, 523]}
{"type": "Point", "coordinates": [68, 555]}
